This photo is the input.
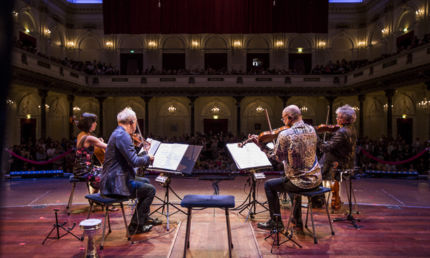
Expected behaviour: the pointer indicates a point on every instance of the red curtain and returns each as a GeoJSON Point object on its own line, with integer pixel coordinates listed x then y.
{"type": "Point", "coordinates": [214, 16]}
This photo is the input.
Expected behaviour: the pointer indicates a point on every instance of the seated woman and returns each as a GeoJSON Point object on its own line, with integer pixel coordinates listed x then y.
{"type": "Point", "coordinates": [84, 167]}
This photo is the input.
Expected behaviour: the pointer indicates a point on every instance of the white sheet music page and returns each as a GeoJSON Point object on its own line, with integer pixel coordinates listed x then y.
{"type": "Point", "coordinates": [249, 156]}
{"type": "Point", "coordinates": [169, 155]}
{"type": "Point", "coordinates": [154, 146]}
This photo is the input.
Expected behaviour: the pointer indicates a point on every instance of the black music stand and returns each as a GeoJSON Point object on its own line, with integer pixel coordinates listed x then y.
{"type": "Point", "coordinates": [275, 233]}
{"type": "Point", "coordinates": [185, 167]}
{"type": "Point", "coordinates": [250, 157]}
{"type": "Point", "coordinates": [57, 227]}
{"type": "Point", "coordinates": [349, 216]}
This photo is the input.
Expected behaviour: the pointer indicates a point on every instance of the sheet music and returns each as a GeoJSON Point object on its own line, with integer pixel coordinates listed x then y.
{"type": "Point", "coordinates": [249, 156]}
{"type": "Point", "coordinates": [270, 145]}
{"type": "Point", "coordinates": [154, 146]}
{"type": "Point", "coordinates": [169, 155]}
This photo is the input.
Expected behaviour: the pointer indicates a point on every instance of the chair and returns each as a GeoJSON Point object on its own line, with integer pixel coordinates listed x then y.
{"type": "Point", "coordinates": [74, 180]}
{"type": "Point", "coordinates": [309, 194]}
{"type": "Point", "coordinates": [207, 201]}
{"type": "Point", "coordinates": [105, 202]}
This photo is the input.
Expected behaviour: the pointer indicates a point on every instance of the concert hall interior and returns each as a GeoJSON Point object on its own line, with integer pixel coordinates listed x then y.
{"type": "Point", "coordinates": [258, 102]}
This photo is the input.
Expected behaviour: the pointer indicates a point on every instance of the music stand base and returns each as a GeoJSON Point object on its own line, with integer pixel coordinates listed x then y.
{"type": "Point", "coordinates": [350, 218]}
{"type": "Point", "coordinates": [57, 227]}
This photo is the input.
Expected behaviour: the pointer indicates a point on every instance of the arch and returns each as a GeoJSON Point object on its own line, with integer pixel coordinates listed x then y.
{"type": "Point", "coordinates": [173, 42]}
{"type": "Point", "coordinates": [375, 33]}
{"type": "Point", "coordinates": [137, 107]}
{"type": "Point", "coordinates": [406, 18]}
{"type": "Point", "coordinates": [250, 109]}
{"type": "Point", "coordinates": [26, 18]}
{"type": "Point", "coordinates": [344, 101]}
{"type": "Point", "coordinates": [373, 106]}
{"type": "Point", "coordinates": [300, 41]}
{"type": "Point", "coordinates": [89, 41]}
{"type": "Point", "coordinates": [342, 41]}
{"type": "Point", "coordinates": [181, 109]}
{"type": "Point", "coordinates": [224, 110]}
{"type": "Point", "coordinates": [303, 102]}
{"type": "Point", "coordinates": [89, 105]}
{"type": "Point", "coordinates": [215, 42]}
{"type": "Point", "coordinates": [56, 107]}
{"type": "Point", "coordinates": [257, 43]}
{"type": "Point", "coordinates": [29, 105]}
{"type": "Point", "coordinates": [403, 104]}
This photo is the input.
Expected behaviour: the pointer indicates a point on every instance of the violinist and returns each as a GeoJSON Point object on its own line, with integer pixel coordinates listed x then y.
{"type": "Point", "coordinates": [118, 176]}
{"type": "Point", "coordinates": [83, 166]}
{"type": "Point", "coordinates": [339, 152]}
{"type": "Point", "coordinates": [295, 147]}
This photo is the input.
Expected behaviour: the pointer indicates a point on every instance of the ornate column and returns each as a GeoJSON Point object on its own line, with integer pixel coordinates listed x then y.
{"type": "Point", "coordinates": [330, 100]}
{"type": "Point", "coordinates": [192, 118]}
{"type": "Point", "coordinates": [146, 129]}
{"type": "Point", "coordinates": [70, 99]}
{"type": "Point", "coordinates": [389, 94]}
{"type": "Point", "coordinates": [238, 117]}
{"type": "Point", "coordinates": [101, 100]}
{"type": "Point", "coordinates": [43, 94]}
{"type": "Point", "coordinates": [361, 99]}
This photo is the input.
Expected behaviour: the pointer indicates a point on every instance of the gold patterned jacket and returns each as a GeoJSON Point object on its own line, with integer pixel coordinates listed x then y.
{"type": "Point", "coordinates": [296, 149]}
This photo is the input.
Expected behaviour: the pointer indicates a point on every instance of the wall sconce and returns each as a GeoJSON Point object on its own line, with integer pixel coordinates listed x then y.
{"type": "Point", "coordinates": [215, 109]}
{"type": "Point", "coordinates": [374, 42]}
{"type": "Point", "coordinates": [419, 13]}
{"type": "Point", "coordinates": [259, 109]}
{"type": "Point", "coordinates": [46, 106]}
{"type": "Point", "coordinates": [237, 44]}
{"type": "Point", "coordinates": [386, 107]}
{"type": "Point", "coordinates": [304, 109]}
{"type": "Point", "coordinates": [70, 44]}
{"type": "Point", "coordinates": [171, 109]}
{"type": "Point", "coordinates": [385, 31]}
{"type": "Point", "coordinates": [404, 116]}
{"type": "Point", "coordinates": [15, 13]}
{"type": "Point", "coordinates": [279, 43]}
{"type": "Point", "coordinates": [215, 116]}
{"type": "Point", "coordinates": [356, 109]}
{"type": "Point", "coordinates": [152, 44]}
{"type": "Point", "coordinates": [47, 32]}
{"type": "Point", "coordinates": [405, 29]}
{"type": "Point", "coordinates": [58, 43]}
{"type": "Point", "coordinates": [9, 102]}
{"type": "Point", "coordinates": [195, 44]}
{"type": "Point", "coordinates": [109, 44]}
{"type": "Point", "coordinates": [321, 43]}
{"type": "Point", "coordinates": [28, 116]}
{"type": "Point", "coordinates": [299, 50]}
{"type": "Point", "coordinates": [361, 44]}
{"type": "Point", "coordinates": [27, 30]}
{"type": "Point", "coordinates": [424, 105]}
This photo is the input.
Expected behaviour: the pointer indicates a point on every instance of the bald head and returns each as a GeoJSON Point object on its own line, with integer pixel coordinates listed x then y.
{"type": "Point", "coordinates": [293, 112]}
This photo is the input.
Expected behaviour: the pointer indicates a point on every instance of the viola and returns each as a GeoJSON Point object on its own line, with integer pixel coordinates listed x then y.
{"type": "Point", "coordinates": [323, 128]}
{"type": "Point", "coordinates": [265, 137]}
{"type": "Point", "coordinates": [100, 154]}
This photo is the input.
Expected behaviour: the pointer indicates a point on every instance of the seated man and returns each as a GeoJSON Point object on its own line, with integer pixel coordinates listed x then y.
{"type": "Point", "coordinates": [118, 176]}
{"type": "Point", "coordinates": [296, 148]}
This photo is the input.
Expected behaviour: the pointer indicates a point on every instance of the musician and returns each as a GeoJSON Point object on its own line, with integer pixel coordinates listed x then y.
{"type": "Point", "coordinates": [296, 148]}
{"type": "Point", "coordinates": [118, 176]}
{"type": "Point", "coordinates": [339, 151]}
{"type": "Point", "coordinates": [83, 166]}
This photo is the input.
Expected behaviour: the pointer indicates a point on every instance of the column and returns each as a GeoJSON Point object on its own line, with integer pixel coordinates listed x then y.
{"type": "Point", "coordinates": [389, 94]}
{"type": "Point", "coordinates": [238, 117]}
{"type": "Point", "coordinates": [330, 100]}
{"type": "Point", "coordinates": [43, 94]}
{"type": "Point", "coordinates": [101, 100]}
{"type": "Point", "coordinates": [70, 99]}
{"type": "Point", "coordinates": [192, 118]}
{"type": "Point", "coordinates": [146, 129]}
{"type": "Point", "coordinates": [361, 99]}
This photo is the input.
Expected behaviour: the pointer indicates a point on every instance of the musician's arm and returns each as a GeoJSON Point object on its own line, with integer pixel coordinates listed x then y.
{"type": "Point", "coordinates": [96, 142]}
{"type": "Point", "coordinates": [126, 147]}
{"type": "Point", "coordinates": [335, 142]}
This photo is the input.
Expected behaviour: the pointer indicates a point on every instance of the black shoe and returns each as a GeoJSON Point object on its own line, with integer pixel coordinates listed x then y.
{"type": "Point", "coordinates": [136, 229]}
{"type": "Point", "coordinates": [271, 224]}
{"type": "Point", "coordinates": [154, 222]}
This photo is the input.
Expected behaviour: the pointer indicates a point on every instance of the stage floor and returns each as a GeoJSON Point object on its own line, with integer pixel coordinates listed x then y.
{"type": "Point", "coordinates": [394, 218]}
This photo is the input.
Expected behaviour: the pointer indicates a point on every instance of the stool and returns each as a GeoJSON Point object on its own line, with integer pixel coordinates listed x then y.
{"type": "Point", "coordinates": [74, 180]}
{"type": "Point", "coordinates": [105, 202]}
{"type": "Point", "coordinates": [207, 201]}
{"type": "Point", "coordinates": [90, 226]}
{"type": "Point", "coordinates": [309, 194]}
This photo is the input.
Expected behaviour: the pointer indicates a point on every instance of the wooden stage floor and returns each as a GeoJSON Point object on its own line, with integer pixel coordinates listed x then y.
{"type": "Point", "coordinates": [394, 219]}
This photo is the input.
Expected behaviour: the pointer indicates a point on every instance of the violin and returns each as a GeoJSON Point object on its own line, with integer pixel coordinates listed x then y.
{"type": "Point", "coordinates": [323, 128]}
{"type": "Point", "coordinates": [265, 137]}
{"type": "Point", "coordinates": [138, 139]}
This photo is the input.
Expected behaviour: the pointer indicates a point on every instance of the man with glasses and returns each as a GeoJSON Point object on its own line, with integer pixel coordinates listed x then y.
{"type": "Point", "coordinates": [296, 148]}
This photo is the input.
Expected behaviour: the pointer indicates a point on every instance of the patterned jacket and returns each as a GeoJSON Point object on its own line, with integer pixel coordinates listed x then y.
{"type": "Point", "coordinates": [296, 149]}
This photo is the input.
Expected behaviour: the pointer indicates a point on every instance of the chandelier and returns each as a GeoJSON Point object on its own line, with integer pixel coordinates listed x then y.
{"type": "Point", "coordinates": [424, 105]}
{"type": "Point", "coordinates": [46, 106]}
{"type": "Point", "coordinates": [76, 108]}
{"type": "Point", "coordinates": [215, 109]}
{"type": "Point", "coordinates": [386, 107]}
{"type": "Point", "coordinates": [259, 109]}
{"type": "Point", "coordinates": [171, 109]}
{"type": "Point", "coordinates": [356, 109]}
{"type": "Point", "coordinates": [304, 109]}
{"type": "Point", "coordinates": [9, 101]}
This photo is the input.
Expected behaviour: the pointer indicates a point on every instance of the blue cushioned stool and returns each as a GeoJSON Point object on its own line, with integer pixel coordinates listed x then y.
{"type": "Point", "coordinates": [105, 202]}
{"type": "Point", "coordinates": [207, 201]}
{"type": "Point", "coordinates": [309, 194]}
{"type": "Point", "coordinates": [74, 180]}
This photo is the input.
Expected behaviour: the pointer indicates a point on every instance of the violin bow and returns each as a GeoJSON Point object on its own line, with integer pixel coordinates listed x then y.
{"type": "Point", "coordinates": [326, 120]}
{"type": "Point", "coordinates": [270, 125]}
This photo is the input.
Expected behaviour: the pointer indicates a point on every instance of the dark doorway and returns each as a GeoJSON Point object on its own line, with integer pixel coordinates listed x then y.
{"type": "Point", "coordinates": [131, 63]}
{"type": "Point", "coordinates": [28, 130]}
{"type": "Point", "coordinates": [27, 40]}
{"type": "Point", "coordinates": [216, 61]}
{"type": "Point", "coordinates": [257, 61]}
{"type": "Point", "coordinates": [173, 61]}
{"type": "Point", "coordinates": [215, 126]}
{"type": "Point", "coordinates": [300, 63]}
{"type": "Point", "coordinates": [404, 129]}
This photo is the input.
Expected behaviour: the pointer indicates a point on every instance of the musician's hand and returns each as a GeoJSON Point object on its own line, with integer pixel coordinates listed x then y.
{"type": "Point", "coordinates": [253, 137]}
{"type": "Point", "coordinates": [335, 164]}
{"type": "Point", "coordinates": [151, 158]}
{"type": "Point", "coordinates": [101, 139]}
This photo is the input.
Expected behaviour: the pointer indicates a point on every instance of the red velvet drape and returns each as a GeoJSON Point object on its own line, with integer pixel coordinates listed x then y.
{"type": "Point", "coordinates": [214, 16]}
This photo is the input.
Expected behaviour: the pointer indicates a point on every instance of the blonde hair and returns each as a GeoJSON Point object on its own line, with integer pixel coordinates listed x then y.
{"type": "Point", "coordinates": [126, 115]}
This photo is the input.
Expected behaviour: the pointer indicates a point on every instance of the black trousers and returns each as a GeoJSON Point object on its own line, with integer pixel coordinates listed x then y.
{"type": "Point", "coordinates": [144, 192]}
